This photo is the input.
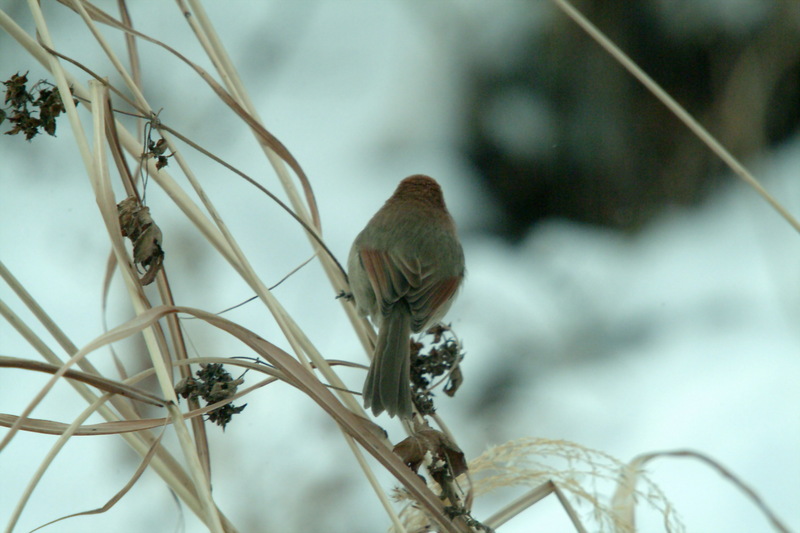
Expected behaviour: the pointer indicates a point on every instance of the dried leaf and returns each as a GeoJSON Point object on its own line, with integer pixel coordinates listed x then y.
{"type": "Point", "coordinates": [413, 450]}
{"type": "Point", "coordinates": [148, 244]}
{"type": "Point", "coordinates": [454, 381]}
{"type": "Point", "coordinates": [137, 224]}
{"type": "Point", "coordinates": [22, 104]}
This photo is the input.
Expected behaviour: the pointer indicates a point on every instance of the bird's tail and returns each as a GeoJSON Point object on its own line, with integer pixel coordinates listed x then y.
{"type": "Point", "coordinates": [387, 385]}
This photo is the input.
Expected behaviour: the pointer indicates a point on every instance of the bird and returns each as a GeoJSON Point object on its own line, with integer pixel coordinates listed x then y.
{"type": "Point", "coordinates": [404, 269]}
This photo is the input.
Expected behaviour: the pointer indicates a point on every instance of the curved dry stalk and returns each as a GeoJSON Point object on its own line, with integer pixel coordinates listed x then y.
{"type": "Point", "coordinates": [100, 180]}
{"type": "Point", "coordinates": [533, 497]}
{"type": "Point", "coordinates": [54, 450]}
{"type": "Point", "coordinates": [266, 137]}
{"type": "Point", "coordinates": [294, 373]}
{"type": "Point", "coordinates": [207, 35]}
{"type": "Point", "coordinates": [96, 168]}
{"type": "Point", "coordinates": [313, 234]}
{"type": "Point", "coordinates": [297, 338]}
{"type": "Point", "coordinates": [225, 246]}
{"type": "Point", "coordinates": [164, 464]}
{"type": "Point", "coordinates": [127, 426]}
{"type": "Point", "coordinates": [98, 173]}
{"type": "Point", "coordinates": [108, 385]}
{"type": "Point", "coordinates": [143, 464]}
{"type": "Point", "coordinates": [624, 497]}
{"type": "Point", "coordinates": [357, 427]}
{"type": "Point", "coordinates": [51, 427]}
{"type": "Point", "coordinates": [299, 341]}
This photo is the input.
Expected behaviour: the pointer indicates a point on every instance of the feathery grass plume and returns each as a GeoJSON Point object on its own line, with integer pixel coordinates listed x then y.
{"type": "Point", "coordinates": [583, 479]}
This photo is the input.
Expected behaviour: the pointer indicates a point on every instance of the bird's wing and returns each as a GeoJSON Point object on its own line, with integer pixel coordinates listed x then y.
{"type": "Point", "coordinates": [427, 299]}
{"type": "Point", "coordinates": [386, 277]}
{"type": "Point", "coordinates": [393, 277]}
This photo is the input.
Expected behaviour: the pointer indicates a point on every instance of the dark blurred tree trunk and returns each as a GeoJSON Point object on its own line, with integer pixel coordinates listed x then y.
{"type": "Point", "coordinates": [558, 129]}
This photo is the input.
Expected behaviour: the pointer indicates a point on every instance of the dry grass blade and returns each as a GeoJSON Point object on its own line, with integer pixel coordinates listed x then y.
{"type": "Point", "coordinates": [127, 426]}
{"type": "Point", "coordinates": [624, 497]}
{"type": "Point", "coordinates": [573, 515]}
{"type": "Point", "coordinates": [50, 427]}
{"type": "Point", "coordinates": [207, 35]}
{"type": "Point", "coordinates": [166, 466]}
{"type": "Point", "coordinates": [92, 74]}
{"type": "Point", "coordinates": [96, 165]}
{"type": "Point", "coordinates": [299, 376]}
{"type": "Point", "coordinates": [295, 374]}
{"type": "Point", "coordinates": [520, 504]}
{"type": "Point", "coordinates": [130, 44]}
{"type": "Point", "coordinates": [531, 498]}
{"type": "Point", "coordinates": [37, 310]}
{"type": "Point", "coordinates": [145, 462]}
{"type": "Point", "coordinates": [153, 336]}
{"type": "Point", "coordinates": [101, 383]}
{"type": "Point", "coordinates": [81, 140]}
{"type": "Point", "coordinates": [68, 432]}
{"type": "Point", "coordinates": [266, 137]}
{"type": "Point", "coordinates": [314, 234]}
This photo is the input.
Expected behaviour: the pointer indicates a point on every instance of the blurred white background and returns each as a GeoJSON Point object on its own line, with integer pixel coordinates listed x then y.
{"type": "Point", "coordinates": [681, 335]}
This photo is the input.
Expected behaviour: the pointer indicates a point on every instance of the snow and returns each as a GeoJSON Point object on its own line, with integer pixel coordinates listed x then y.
{"type": "Point", "coordinates": [680, 337]}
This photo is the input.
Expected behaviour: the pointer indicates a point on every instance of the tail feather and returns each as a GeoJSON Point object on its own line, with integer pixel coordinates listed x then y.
{"type": "Point", "coordinates": [387, 385]}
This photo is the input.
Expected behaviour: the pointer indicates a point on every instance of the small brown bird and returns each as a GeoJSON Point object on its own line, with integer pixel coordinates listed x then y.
{"type": "Point", "coordinates": [404, 268]}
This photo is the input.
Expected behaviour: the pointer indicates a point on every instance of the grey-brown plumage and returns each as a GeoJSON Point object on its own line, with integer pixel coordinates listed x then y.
{"type": "Point", "coordinates": [404, 268]}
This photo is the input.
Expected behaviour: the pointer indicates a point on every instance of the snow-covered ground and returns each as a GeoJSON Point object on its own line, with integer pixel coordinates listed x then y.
{"type": "Point", "coordinates": [681, 337]}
